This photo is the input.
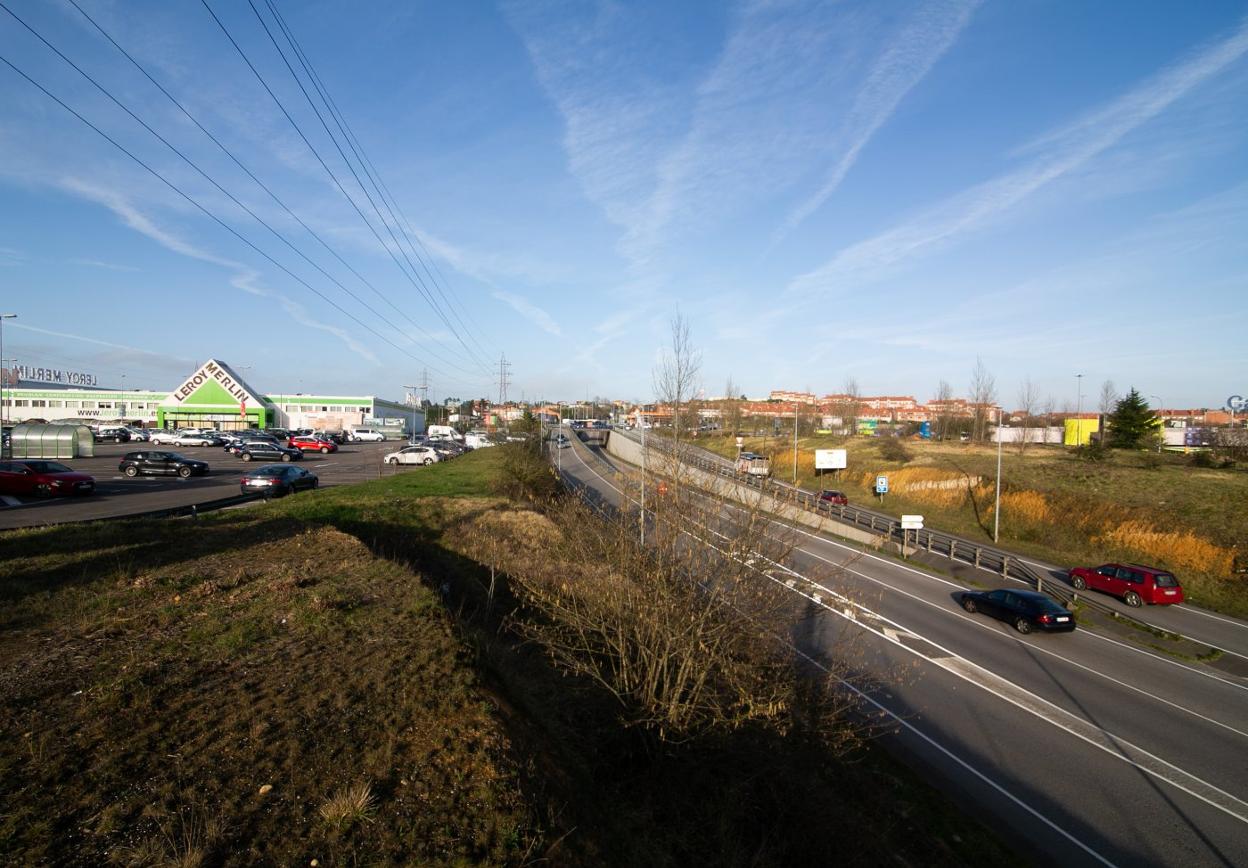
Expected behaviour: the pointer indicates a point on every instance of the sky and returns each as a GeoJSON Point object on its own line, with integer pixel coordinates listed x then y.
{"type": "Point", "coordinates": [881, 191]}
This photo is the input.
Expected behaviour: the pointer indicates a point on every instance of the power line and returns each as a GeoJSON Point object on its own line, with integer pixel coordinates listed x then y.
{"type": "Point", "coordinates": [202, 208]}
{"type": "Point", "coordinates": [374, 176]}
{"type": "Point", "coordinates": [244, 168]}
{"type": "Point", "coordinates": [199, 170]}
{"type": "Point", "coordinates": [317, 154]}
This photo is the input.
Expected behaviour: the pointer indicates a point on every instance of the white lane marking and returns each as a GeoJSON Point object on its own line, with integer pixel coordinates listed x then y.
{"type": "Point", "coordinates": [910, 727]}
{"type": "Point", "coordinates": [956, 613]}
{"type": "Point", "coordinates": [1234, 623]}
{"type": "Point", "coordinates": [1047, 711]}
{"type": "Point", "coordinates": [929, 576]}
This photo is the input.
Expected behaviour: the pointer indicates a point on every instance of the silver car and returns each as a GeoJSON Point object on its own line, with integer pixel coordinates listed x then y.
{"type": "Point", "coordinates": [414, 455]}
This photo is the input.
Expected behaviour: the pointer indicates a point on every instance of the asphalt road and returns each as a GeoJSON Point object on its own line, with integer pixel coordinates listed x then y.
{"type": "Point", "coordinates": [119, 495]}
{"type": "Point", "coordinates": [1085, 749]}
{"type": "Point", "coordinates": [1211, 628]}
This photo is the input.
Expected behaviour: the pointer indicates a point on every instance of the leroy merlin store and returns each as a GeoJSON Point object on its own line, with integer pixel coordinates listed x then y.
{"type": "Point", "coordinates": [214, 396]}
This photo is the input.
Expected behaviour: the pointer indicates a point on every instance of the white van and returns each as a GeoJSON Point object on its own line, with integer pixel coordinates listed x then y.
{"type": "Point", "coordinates": [367, 435]}
{"type": "Point", "coordinates": [443, 432]}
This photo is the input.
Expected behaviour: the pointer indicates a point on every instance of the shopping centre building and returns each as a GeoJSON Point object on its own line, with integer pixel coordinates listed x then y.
{"type": "Point", "coordinates": [213, 396]}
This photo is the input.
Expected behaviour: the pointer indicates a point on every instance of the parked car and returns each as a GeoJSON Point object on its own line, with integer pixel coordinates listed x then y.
{"type": "Point", "coordinates": [138, 435]}
{"type": "Point", "coordinates": [367, 435]}
{"type": "Point", "coordinates": [262, 450]}
{"type": "Point", "coordinates": [195, 439]}
{"type": "Point", "coordinates": [277, 480]}
{"type": "Point", "coordinates": [155, 462]}
{"type": "Point", "coordinates": [1026, 610]}
{"type": "Point", "coordinates": [833, 497]}
{"type": "Point", "coordinates": [42, 479]}
{"type": "Point", "coordinates": [337, 437]}
{"type": "Point", "coordinates": [414, 455]}
{"type": "Point", "coordinates": [114, 433]}
{"type": "Point", "coordinates": [169, 436]}
{"type": "Point", "coordinates": [1134, 583]}
{"type": "Point", "coordinates": [310, 443]}
{"type": "Point", "coordinates": [234, 442]}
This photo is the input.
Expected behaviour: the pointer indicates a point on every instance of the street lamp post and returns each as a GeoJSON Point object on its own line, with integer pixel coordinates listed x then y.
{"type": "Point", "coordinates": [795, 411]}
{"type": "Point", "coordinates": [1078, 409]}
{"type": "Point", "coordinates": [1160, 405]}
{"type": "Point", "coordinates": [412, 398]}
{"type": "Point", "coordinates": [3, 317]}
{"type": "Point", "coordinates": [996, 516]}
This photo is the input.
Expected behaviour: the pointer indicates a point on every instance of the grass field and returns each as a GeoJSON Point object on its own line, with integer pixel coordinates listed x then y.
{"type": "Point", "coordinates": [312, 680]}
{"type": "Point", "coordinates": [1157, 509]}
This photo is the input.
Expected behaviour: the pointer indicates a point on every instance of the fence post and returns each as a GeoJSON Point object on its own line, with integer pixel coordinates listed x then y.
{"type": "Point", "coordinates": [953, 547]}
{"type": "Point", "coordinates": [1005, 566]}
{"type": "Point", "coordinates": [978, 551]}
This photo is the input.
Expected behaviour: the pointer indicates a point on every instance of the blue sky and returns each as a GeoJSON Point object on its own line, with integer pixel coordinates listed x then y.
{"type": "Point", "coordinates": [877, 190]}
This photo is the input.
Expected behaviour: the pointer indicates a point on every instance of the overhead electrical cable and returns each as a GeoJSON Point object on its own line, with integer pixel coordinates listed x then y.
{"type": "Point", "coordinates": [333, 176]}
{"type": "Point", "coordinates": [234, 158]}
{"type": "Point", "coordinates": [400, 220]}
{"type": "Point", "coordinates": [200, 171]}
{"type": "Point", "coordinates": [194, 202]}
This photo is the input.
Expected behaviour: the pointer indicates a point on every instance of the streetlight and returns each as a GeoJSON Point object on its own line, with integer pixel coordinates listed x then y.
{"type": "Point", "coordinates": [3, 317]}
{"type": "Point", "coordinates": [996, 517]}
{"type": "Point", "coordinates": [795, 411]}
{"type": "Point", "coordinates": [1160, 405]}
{"type": "Point", "coordinates": [411, 396]}
{"type": "Point", "coordinates": [1078, 410]}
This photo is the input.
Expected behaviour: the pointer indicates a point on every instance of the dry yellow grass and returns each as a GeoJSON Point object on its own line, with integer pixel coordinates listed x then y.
{"type": "Point", "coordinates": [1174, 548]}
{"type": "Point", "coordinates": [1029, 506]}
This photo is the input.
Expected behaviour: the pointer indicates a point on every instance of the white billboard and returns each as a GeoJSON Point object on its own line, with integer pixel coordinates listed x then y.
{"type": "Point", "coordinates": [830, 459]}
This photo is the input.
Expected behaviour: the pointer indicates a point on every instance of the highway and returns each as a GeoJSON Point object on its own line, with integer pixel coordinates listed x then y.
{"type": "Point", "coordinates": [1211, 628]}
{"type": "Point", "coordinates": [1087, 749]}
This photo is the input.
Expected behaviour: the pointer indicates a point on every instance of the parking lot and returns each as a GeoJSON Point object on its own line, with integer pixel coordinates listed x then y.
{"type": "Point", "coordinates": [116, 494]}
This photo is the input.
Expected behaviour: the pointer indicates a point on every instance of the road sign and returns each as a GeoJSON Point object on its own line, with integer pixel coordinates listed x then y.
{"type": "Point", "coordinates": [881, 485]}
{"type": "Point", "coordinates": [912, 522]}
{"type": "Point", "coordinates": [830, 459]}
{"type": "Point", "coordinates": [740, 442]}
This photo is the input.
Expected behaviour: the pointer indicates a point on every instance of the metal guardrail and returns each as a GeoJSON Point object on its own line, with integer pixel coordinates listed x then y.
{"type": "Point", "coordinates": [887, 527]}
{"type": "Point", "coordinates": [189, 510]}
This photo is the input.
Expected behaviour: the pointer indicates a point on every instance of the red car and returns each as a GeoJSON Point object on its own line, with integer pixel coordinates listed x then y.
{"type": "Point", "coordinates": [42, 479]}
{"type": "Point", "coordinates": [833, 497]}
{"type": "Point", "coordinates": [312, 444]}
{"type": "Point", "coordinates": [1135, 584]}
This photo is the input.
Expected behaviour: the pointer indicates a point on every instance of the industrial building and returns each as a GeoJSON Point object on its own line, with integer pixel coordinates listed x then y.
{"type": "Point", "coordinates": [215, 396]}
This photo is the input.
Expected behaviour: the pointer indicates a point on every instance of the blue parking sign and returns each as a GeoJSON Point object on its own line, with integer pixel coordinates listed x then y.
{"type": "Point", "coordinates": [881, 485]}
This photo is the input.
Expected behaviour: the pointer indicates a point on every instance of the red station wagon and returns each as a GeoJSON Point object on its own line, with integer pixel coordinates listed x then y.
{"type": "Point", "coordinates": [1135, 584]}
{"type": "Point", "coordinates": [312, 444]}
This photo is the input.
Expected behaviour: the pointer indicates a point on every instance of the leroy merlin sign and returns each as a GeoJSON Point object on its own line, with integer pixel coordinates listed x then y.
{"type": "Point", "coordinates": [213, 385]}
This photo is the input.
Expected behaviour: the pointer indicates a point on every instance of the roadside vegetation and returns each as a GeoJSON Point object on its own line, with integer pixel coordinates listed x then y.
{"type": "Point", "coordinates": [454, 665]}
{"type": "Point", "coordinates": [1057, 504]}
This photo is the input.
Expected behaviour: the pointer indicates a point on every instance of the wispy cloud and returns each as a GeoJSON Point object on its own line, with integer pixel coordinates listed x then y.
{"type": "Point", "coordinates": [161, 359]}
{"type": "Point", "coordinates": [107, 266]}
{"type": "Point", "coordinates": [1063, 152]}
{"type": "Point", "coordinates": [9, 257]}
{"type": "Point", "coordinates": [244, 277]}
{"type": "Point", "coordinates": [905, 62]}
{"type": "Point", "coordinates": [529, 311]}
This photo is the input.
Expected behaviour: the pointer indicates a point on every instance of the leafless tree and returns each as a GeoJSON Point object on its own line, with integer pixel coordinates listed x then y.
{"type": "Point", "coordinates": [1109, 398]}
{"type": "Point", "coordinates": [1028, 399]}
{"type": "Point", "coordinates": [944, 395]}
{"type": "Point", "coordinates": [731, 409]}
{"type": "Point", "coordinates": [1049, 407]}
{"type": "Point", "coordinates": [983, 397]}
{"type": "Point", "coordinates": [676, 376]}
{"type": "Point", "coordinates": [851, 404]}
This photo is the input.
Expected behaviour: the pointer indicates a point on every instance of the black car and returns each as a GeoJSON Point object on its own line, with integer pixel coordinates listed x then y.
{"type": "Point", "coordinates": [1026, 610]}
{"type": "Point", "coordinates": [277, 480]}
{"type": "Point", "coordinates": [154, 462]}
{"type": "Point", "coordinates": [263, 450]}
{"type": "Point", "coordinates": [234, 442]}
